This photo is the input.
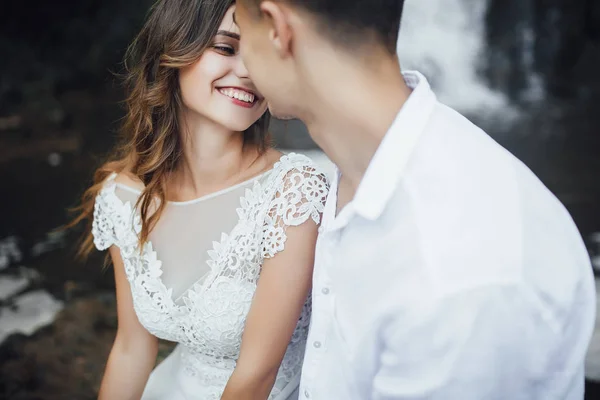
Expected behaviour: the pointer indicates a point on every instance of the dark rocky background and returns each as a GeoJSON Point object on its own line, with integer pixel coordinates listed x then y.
{"type": "Point", "coordinates": [59, 111]}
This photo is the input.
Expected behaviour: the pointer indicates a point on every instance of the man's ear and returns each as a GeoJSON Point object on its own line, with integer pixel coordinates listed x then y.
{"type": "Point", "coordinates": [280, 31]}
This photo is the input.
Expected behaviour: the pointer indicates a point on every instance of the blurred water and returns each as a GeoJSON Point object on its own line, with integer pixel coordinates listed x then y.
{"type": "Point", "coordinates": [592, 361]}
{"type": "Point", "coordinates": [28, 313]}
{"type": "Point", "coordinates": [445, 40]}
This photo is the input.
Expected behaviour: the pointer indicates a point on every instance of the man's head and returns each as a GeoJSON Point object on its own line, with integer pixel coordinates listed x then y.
{"type": "Point", "coordinates": [285, 41]}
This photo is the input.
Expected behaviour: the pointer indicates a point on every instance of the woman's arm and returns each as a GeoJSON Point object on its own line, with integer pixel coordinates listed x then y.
{"type": "Point", "coordinates": [282, 290]}
{"type": "Point", "coordinates": [133, 354]}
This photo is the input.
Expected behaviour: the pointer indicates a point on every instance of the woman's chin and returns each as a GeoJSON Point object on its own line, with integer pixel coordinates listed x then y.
{"type": "Point", "coordinates": [238, 127]}
{"type": "Point", "coordinates": [233, 121]}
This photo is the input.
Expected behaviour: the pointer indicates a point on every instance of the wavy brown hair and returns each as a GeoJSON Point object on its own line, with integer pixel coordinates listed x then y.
{"type": "Point", "coordinates": [175, 35]}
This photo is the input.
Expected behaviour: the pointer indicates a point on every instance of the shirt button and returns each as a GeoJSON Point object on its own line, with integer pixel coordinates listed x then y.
{"type": "Point", "coordinates": [325, 291]}
{"type": "Point", "coordinates": [306, 394]}
{"type": "Point", "coordinates": [317, 345]}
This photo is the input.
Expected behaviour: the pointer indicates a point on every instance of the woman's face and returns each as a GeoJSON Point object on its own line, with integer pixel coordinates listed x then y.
{"type": "Point", "coordinates": [218, 87]}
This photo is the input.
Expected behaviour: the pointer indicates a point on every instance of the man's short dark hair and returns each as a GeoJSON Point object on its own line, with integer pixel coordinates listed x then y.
{"type": "Point", "coordinates": [356, 22]}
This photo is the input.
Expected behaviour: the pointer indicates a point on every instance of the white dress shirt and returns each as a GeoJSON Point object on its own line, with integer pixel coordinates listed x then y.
{"type": "Point", "coordinates": [454, 273]}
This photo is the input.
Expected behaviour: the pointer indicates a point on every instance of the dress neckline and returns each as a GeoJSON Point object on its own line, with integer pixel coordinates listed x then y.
{"type": "Point", "coordinates": [201, 198]}
{"type": "Point", "coordinates": [149, 254]}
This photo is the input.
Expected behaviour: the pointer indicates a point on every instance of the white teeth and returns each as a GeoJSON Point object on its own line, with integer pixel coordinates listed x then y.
{"type": "Point", "coordinates": [238, 94]}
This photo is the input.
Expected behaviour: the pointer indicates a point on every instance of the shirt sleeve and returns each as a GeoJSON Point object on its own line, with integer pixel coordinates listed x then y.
{"type": "Point", "coordinates": [300, 196]}
{"type": "Point", "coordinates": [484, 343]}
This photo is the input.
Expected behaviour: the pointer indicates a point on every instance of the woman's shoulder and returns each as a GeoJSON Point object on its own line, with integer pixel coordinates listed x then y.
{"type": "Point", "coordinates": [291, 163]}
{"type": "Point", "coordinates": [119, 191]}
{"type": "Point", "coordinates": [298, 194]}
{"type": "Point", "coordinates": [127, 180]}
{"type": "Point", "coordinates": [124, 180]}
{"type": "Point", "coordinates": [114, 218]}
{"type": "Point", "coordinates": [298, 178]}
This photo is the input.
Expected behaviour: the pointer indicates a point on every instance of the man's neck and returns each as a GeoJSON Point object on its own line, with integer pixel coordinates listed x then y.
{"type": "Point", "coordinates": [352, 111]}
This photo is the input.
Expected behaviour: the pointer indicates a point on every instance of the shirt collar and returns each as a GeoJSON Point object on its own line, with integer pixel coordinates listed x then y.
{"type": "Point", "coordinates": [392, 155]}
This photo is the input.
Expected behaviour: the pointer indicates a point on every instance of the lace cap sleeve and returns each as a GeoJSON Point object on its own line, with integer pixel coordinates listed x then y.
{"type": "Point", "coordinates": [300, 194]}
{"type": "Point", "coordinates": [114, 222]}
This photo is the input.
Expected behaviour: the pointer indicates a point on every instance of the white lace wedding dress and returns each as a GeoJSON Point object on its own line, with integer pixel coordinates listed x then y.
{"type": "Point", "coordinates": [194, 280]}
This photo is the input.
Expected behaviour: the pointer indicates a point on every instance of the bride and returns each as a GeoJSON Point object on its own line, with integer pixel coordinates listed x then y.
{"type": "Point", "coordinates": [211, 232]}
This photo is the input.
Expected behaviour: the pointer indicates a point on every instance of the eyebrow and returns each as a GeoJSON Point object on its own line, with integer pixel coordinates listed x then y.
{"type": "Point", "coordinates": [229, 34]}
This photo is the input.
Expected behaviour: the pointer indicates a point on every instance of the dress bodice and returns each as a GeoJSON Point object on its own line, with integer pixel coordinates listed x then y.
{"type": "Point", "coordinates": [199, 293]}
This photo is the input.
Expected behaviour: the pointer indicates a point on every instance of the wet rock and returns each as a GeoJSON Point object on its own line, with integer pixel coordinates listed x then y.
{"type": "Point", "coordinates": [61, 360]}
{"type": "Point", "coordinates": [554, 41]}
{"type": "Point", "coordinates": [10, 122]}
{"type": "Point", "coordinates": [9, 252]}
{"type": "Point", "coordinates": [55, 47]}
{"type": "Point", "coordinates": [65, 360]}
{"type": "Point", "coordinates": [27, 312]}
{"type": "Point", "coordinates": [11, 285]}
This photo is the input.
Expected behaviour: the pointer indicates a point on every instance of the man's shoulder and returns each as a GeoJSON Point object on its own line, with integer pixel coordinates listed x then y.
{"type": "Point", "coordinates": [475, 205]}
{"type": "Point", "coordinates": [447, 126]}
{"type": "Point", "coordinates": [454, 154]}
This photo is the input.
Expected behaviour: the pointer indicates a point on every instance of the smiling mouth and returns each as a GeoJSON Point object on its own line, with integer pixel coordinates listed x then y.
{"type": "Point", "coordinates": [240, 95]}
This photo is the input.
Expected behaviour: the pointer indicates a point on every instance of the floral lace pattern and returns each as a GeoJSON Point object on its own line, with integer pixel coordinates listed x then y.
{"type": "Point", "coordinates": [209, 320]}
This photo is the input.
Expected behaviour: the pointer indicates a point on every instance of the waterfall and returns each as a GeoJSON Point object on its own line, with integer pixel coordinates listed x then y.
{"type": "Point", "coordinates": [445, 40]}
{"type": "Point", "coordinates": [502, 55]}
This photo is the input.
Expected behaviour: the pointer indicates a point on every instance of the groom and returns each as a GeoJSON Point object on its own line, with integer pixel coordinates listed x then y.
{"type": "Point", "coordinates": [444, 269]}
